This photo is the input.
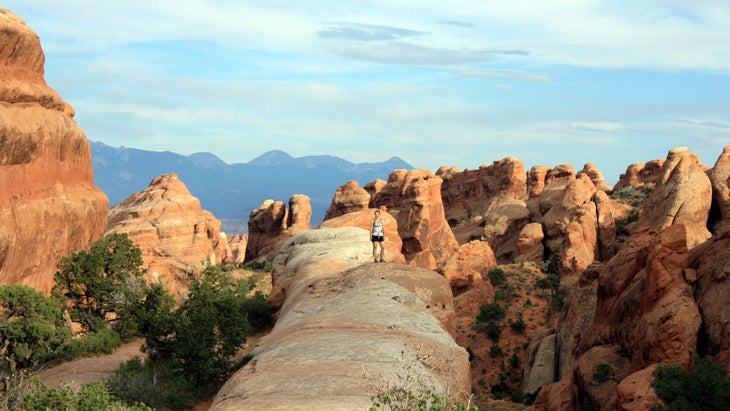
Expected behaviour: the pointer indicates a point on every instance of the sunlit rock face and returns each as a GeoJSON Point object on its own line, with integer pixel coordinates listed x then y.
{"type": "Point", "coordinates": [49, 205]}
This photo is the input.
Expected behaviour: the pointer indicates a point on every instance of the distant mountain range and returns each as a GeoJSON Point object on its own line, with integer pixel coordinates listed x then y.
{"type": "Point", "coordinates": [232, 191]}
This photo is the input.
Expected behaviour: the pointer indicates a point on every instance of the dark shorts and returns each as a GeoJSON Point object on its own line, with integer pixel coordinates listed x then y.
{"type": "Point", "coordinates": [377, 238]}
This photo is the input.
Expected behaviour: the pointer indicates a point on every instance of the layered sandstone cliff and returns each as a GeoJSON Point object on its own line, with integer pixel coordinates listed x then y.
{"type": "Point", "coordinates": [175, 234]}
{"type": "Point", "coordinates": [348, 328]}
{"type": "Point", "coordinates": [49, 205]}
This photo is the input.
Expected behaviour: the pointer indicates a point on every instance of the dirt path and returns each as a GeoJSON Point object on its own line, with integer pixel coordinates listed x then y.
{"type": "Point", "coordinates": [92, 369]}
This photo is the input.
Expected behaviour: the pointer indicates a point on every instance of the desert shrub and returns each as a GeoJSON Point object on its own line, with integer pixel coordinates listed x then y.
{"type": "Point", "coordinates": [518, 326]}
{"type": "Point", "coordinates": [496, 351]}
{"type": "Point", "coordinates": [38, 396]}
{"type": "Point", "coordinates": [158, 386]}
{"type": "Point", "coordinates": [493, 331]}
{"type": "Point", "coordinates": [497, 277]}
{"type": "Point", "coordinates": [259, 311]}
{"type": "Point", "coordinates": [603, 373]}
{"type": "Point", "coordinates": [32, 331]}
{"type": "Point", "coordinates": [102, 341]}
{"type": "Point", "coordinates": [706, 387]}
{"type": "Point", "coordinates": [514, 361]}
{"type": "Point", "coordinates": [490, 312]}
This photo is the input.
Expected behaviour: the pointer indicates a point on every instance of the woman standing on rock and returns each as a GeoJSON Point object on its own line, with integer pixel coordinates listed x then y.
{"type": "Point", "coordinates": [376, 235]}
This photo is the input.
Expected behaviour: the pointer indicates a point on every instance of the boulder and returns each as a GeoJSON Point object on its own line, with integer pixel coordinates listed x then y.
{"type": "Point", "coordinates": [636, 393]}
{"type": "Point", "coordinates": [49, 205]}
{"type": "Point", "coordinates": [176, 236]}
{"type": "Point", "coordinates": [597, 373]}
{"type": "Point", "coordinates": [540, 359]}
{"type": "Point", "coordinates": [348, 198]}
{"type": "Point", "coordinates": [300, 214]}
{"type": "Point", "coordinates": [683, 195]}
{"type": "Point", "coordinates": [347, 330]}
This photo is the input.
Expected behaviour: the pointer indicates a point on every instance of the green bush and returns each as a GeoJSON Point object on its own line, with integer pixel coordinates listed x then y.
{"type": "Point", "coordinates": [490, 312]}
{"type": "Point", "coordinates": [104, 280]}
{"type": "Point", "coordinates": [493, 331]}
{"type": "Point", "coordinates": [157, 386]}
{"type": "Point", "coordinates": [102, 341]}
{"type": "Point", "coordinates": [37, 396]}
{"type": "Point", "coordinates": [706, 387]}
{"type": "Point", "coordinates": [518, 326]}
{"type": "Point", "coordinates": [31, 328]}
{"type": "Point", "coordinates": [497, 277]}
{"type": "Point", "coordinates": [496, 351]}
{"type": "Point", "coordinates": [603, 373]}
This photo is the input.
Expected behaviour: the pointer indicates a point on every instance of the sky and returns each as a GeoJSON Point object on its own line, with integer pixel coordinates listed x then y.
{"type": "Point", "coordinates": [460, 83]}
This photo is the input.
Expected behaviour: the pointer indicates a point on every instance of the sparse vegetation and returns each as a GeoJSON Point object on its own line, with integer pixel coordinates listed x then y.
{"type": "Point", "coordinates": [497, 277]}
{"type": "Point", "coordinates": [706, 387]}
{"type": "Point", "coordinates": [490, 312]}
{"type": "Point", "coordinates": [603, 373]}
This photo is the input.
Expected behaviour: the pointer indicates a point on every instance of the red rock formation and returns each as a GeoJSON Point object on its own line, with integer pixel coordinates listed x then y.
{"type": "Point", "coordinates": [529, 243]}
{"type": "Point", "coordinates": [639, 175]}
{"type": "Point", "coordinates": [238, 244]}
{"type": "Point", "coordinates": [468, 267]}
{"type": "Point", "coordinates": [49, 205]}
{"type": "Point", "coordinates": [536, 180]}
{"type": "Point", "coordinates": [472, 192]}
{"type": "Point", "coordinates": [265, 226]}
{"type": "Point", "coordinates": [175, 234]}
{"type": "Point", "coordinates": [271, 224]}
{"type": "Point", "coordinates": [571, 225]}
{"type": "Point", "coordinates": [348, 198]}
{"type": "Point", "coordinates": [390, 195]}
{"type": "Point", "coordinates": [596, 177]}
{"type": "Point", "coordinates": [636, 393]}
{"type": "Point", "coordinates": [427, 239]}
{"type": "Point", "coordinates": [683, 195]}
{"type": "Point", "coordinates": [644, 302]}
{"type": "Point", "coordinates": [720, 179]}
{"type": "Point", "coordinates": [373, 188]}
{"type": "Point", "coordinates": [503, 223]}
{"type": "Point", "coordinates": [300, 214]}
{"type": "Point", "coordinates": [711, 265]}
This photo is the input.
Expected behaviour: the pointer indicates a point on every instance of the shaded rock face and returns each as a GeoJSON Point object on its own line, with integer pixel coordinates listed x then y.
{"type": "Point", "coordinates": [645, 304]}
{"type": "Point", "coordinates": [348, 198]}
{"type": "Point", "coordinates": [363, 219]}
{"type": "Point", "coordinates": [503, 225]}
{"type": "Point", "coordinates": [720, 179]}
{"type": "Point", "coordinates": [427, 238]}
{"type": "Point", "coordinates": [390, 196]}
{"type": "Point", "coordinates": [346, 326]}
{"type": "Point", "coordinates": [639, 175]}
{"type": "Point", "coordinates": [474, 191]}
{"type": "Point", "coordinates": [175, 234]}
{"type": "Point", "coordinates": [271, 224]}
{"type": "Point", "coordinates": [711, 265]}
{"type": "Point", "coordinates": [49, 205]}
